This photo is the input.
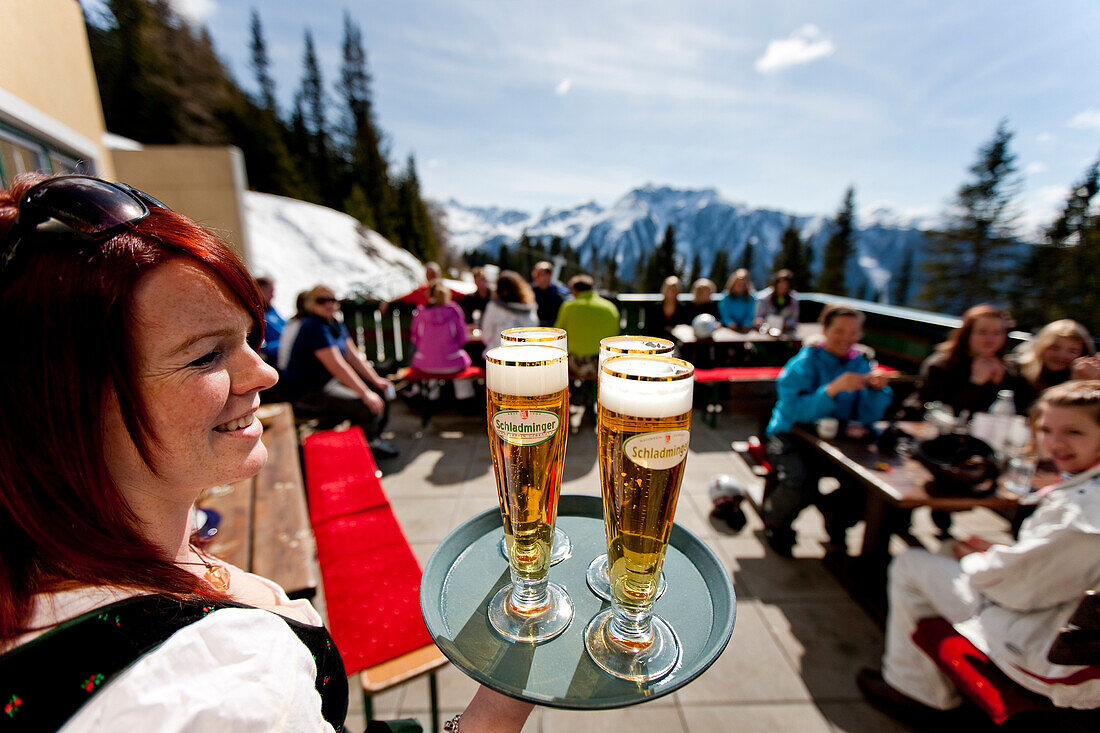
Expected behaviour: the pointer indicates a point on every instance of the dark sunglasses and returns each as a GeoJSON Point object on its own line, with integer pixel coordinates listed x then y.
{"type": "Point", "coordinates": [83, 207]}
{"type": "Point", "coordinates": [324, 300]}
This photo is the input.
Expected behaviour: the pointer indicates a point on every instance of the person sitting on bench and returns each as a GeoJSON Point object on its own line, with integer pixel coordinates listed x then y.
{"type": "Point", "coordinates": [1010, 601]}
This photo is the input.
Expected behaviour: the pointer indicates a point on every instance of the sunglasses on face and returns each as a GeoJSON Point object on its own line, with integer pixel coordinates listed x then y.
{"type": "Point", "coordinates": [325, 300]}
{"type": "Point", "coordinates": [81, 207]}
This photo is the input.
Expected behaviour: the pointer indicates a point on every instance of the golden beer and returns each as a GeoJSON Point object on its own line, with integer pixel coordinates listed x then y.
{"type": "Point", "coordinates": [528, 466]}
{"type": "Point", "coordinates": [639, 501]}
{"type": "Point", "coordinates": [527, 403]}
{"type": "Point", "coordinates": [644, 428]}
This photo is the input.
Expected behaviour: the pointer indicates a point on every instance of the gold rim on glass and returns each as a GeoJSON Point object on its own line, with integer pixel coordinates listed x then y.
{"type": "Point", "coordinates": [507, 362]}
{"type": "Point", "coordinates": [663, 345]}
{"type": "Point", "coordinates": [688, 369]}
{"type": "Point", "coordinates": [552, 334]}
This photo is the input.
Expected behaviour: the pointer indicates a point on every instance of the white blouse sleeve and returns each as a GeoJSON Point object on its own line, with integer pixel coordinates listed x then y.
{"type": "Point", "coordinates": [236, 669]}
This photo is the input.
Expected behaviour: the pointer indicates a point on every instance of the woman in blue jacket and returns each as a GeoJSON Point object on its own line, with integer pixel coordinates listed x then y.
{"type": "Point", "coordinates": [738, 307]}
{"type": "Point", "coordinates": [835, 378]}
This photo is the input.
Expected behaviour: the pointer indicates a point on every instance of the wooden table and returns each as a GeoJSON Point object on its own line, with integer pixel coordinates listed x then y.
{"type": "Point", "coordinates": [264, 524]}
{"type": "Point", "coordinates": [685, 334]}
{"type": "Point", "coordinates": [892, 494]}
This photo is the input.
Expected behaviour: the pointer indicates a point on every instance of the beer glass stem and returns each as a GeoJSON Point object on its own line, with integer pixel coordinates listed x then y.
{"type": "Point", "coordinates": [529, 596]}
{"type": "Point", "coordinates": [634, 630]}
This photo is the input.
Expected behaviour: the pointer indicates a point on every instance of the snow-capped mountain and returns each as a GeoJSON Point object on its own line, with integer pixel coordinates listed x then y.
{"type": "Point", "coordinates": [705, 223]}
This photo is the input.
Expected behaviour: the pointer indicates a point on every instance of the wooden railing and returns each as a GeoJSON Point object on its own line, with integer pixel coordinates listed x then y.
{"type": "Point", "coordinates": [902, 337]}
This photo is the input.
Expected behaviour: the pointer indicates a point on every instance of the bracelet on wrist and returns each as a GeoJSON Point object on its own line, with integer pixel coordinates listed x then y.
{"type": "Point", "coordinates": [451, 726]}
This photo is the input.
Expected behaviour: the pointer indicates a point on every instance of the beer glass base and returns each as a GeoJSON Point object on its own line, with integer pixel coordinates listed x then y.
{"type": "Point", "coordinates": [636, 665]}
{"type": "Point", "coordinates": [599, 582]}
{"type": "Point", "coordinates": [560, 549]}
{"type": "Point", "coordinates": [535, 627]}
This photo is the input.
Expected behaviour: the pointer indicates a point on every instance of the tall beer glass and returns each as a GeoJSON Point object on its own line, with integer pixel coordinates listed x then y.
{"type": "Point", "coordinates": [562, 547]}
{"type": "Point", "coordinates": [541, 335]}
{"type": "Point", "coordinates": [527, 408]}
{"type": "Point", "coordinates": [644, 427]}
{"type": "Point", "coordinates": [597, 576]}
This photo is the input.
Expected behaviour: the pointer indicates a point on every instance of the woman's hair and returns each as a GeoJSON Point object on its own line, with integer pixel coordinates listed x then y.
{"type": "Point", "coordinates": [1031, 356]}
{"type": "Point", "coordinates": [511, 288]}
{"type": "Point", "coordinates": [784, 274]}
{"type": "Point", "coordinates": [832, 312]}
{"type": "Point", "coordinates": [697, 288]}
{"type": "Point", "coordinates": [438, 293]}
{"type": "Point", "coordinates": [740, 275]}
{"type": "Point", "coordinates": [69, 319]}
{"type": "Point", "coordinates": [670, 282]}
{"type": "Point", "coordinates": [957, 345]}
{"type": "Point", "coordinates": [1080, 393]}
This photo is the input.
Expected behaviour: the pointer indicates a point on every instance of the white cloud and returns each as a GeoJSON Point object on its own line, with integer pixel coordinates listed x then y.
{"type": "Point", "coordinates": [563, 87]}
{"type": "Point", "coordinates": [1040, 207]}
{"type": "Point", "coordinates": [195, 11]}
{"type": "Point", "coordinates": [1087, 120]}
{"type": "Point", "coordinates": [803, 46]}
{"type": "Point", "coordinates": [1044, 137]}
{"type": "Point", "coordinates": [1035, 167]}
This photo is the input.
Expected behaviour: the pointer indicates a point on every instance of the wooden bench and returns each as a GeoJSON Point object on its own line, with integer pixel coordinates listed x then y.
{"type": "Point", "coordinates": [1005, 702]}
{"type": "Point", "coordinates": [371, 577]}
{"type": "Point", "coordinates": [264, 525]}
{"type": "Point", "coordinates": [750, 389]}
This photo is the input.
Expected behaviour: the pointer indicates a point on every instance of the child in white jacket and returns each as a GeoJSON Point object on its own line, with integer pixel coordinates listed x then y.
{"type": "Point", "coordinates": [1009, 600]}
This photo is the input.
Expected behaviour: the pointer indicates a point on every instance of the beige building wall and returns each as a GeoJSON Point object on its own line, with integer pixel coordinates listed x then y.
{"type": "Point", "coordinates": [204, 183]}
{"type": "Point", "coordinates": [47, 82]}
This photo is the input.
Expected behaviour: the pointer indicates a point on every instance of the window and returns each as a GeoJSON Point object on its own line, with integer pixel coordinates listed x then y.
{"type": "Point", "coordinates": [20, 153]}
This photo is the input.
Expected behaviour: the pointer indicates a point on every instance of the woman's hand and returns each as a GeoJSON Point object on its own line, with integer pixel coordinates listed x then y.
{"type": "Point", "coordinates": [846, 382]}
{"type": "Point", "coordinates": [491, 712]}
{"type": "Point", "coordinates": [373, 402]}
{"type": "Point", "coordinates": [876, 379]}
{"type": "Point", "coordinates": [986, 369]}
{"type": "Point", "coordinates": [1085, 367]}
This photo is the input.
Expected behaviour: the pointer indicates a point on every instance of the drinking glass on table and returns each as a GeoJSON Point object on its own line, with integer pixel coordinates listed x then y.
{"type": "Point", "coordinates": [527, 389]}
{"type": "Point", "coordinates": [542, 336]}
{"type": "Point", "coordinates": [644, 427]}
{"type": "Point", "coordinates": [597, 575]}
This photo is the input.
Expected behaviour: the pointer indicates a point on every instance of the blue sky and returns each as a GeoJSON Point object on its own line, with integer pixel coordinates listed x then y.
{"type": "Point", "coordinates": [780, 104]}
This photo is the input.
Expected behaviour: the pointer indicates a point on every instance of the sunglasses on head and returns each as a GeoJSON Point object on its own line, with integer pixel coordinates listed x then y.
{"type": "Point", "coordinates": [89, 209]}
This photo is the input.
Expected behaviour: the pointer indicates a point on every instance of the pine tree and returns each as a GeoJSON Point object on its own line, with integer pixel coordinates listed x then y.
{"type": "Point", "coordinates": [902, 281]}
{"type": "Point", "coordinates": [663, 262]}
{"type": "Point", "coordinates": [838, 249]}
{"type": "Point", "coordinates": [720, 269]}
{"type": "Point", "coordinates": [414, 226]}
{"type": "Point", "coordinates": [261, 66]}
{"type": "Point", "coordinates": [696, 269]}
{"type": "Point", "coordinates": [312, 96]}
{"type": "Point", "coordinates": [748, 255]}
{"type": "Point", "coordinates": [504, 258]}
{"type": "Point", "coordinates": [1058, 279]}
{"type": "Point", "coordinates": [368, 167]}
{"type": "Point", "coordinates": [794, 255]}
{"type": "Point", "coordinates": [971, 260]}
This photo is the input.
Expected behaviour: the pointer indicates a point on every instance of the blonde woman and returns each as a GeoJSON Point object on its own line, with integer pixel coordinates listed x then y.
{"type": "Point", "coordinates": [662, 316]}
{"type": "Point", "coordinates": [702, 300]}
{"type": "Point", "coordinates": [736, 309]}
{"type": "Point", "coordinates": [1062, 350]}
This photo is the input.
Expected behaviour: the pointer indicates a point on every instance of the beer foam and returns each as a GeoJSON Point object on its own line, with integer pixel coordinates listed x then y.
{"type": "Point", "coordinates": [516, 378]}
{"type": "Point", "coordinates": [541, 335]}
{"type": "Point", "coordinates": [621, 345]}
{"type": "Point", "coordinates": [642, 398]}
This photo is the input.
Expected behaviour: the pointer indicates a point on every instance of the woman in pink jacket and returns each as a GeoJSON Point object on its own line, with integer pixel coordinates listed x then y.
{"type": "Point", "coordinates": [438, 331]}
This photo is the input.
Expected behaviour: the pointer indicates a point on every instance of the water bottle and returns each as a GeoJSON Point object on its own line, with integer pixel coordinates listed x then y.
{"type": "Point", "coordinates": [1003, 411]}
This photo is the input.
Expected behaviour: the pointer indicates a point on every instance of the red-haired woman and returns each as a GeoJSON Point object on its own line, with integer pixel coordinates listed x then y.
{"type": "Point", "coordinates": [133, 387]}
{"type": "Point", "coordinates": [968, 369]}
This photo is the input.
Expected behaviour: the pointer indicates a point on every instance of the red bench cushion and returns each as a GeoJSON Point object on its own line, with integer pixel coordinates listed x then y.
{"type": "Point", "coordinates": [372, 588]}
{"type": "Point", "coordinates": [470, 372]}
{"type": "Point", "coordinates": [341, 475]}
{"type": "Point", "coordinates": [973, 673]}
{"type": "Point", "coordinates": [734, 374]}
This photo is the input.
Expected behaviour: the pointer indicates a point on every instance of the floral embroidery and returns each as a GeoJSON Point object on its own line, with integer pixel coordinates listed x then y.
{"type": "Point", "coordinates": [324, 682]}
{"type": "Point", "coordinates": [92, 682]}
{"type": "Point", "coordinates": [107, 617]}
{"type": "Point", "coordinates": [207, 610]}
{"type": "Point", "coordinates": [12, 706]}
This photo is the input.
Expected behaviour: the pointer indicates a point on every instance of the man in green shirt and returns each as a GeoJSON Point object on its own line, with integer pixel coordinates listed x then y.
{"type": "Point", "coordinates": [588, 319]}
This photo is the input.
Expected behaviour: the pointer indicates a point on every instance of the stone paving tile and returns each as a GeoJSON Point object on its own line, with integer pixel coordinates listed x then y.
{"type": "Point", "coordinates": [645, 717]}
{"type": "Point", "coordinates": [803, 717]}
{"type": "Point", "coordinates": [753, 668]}
{"type": "Point", "coordinates": [828, 641]}
{"type": "Point", "coordinates": [424, 520]}
{"type": "Point", "coordinates": [859, 717]}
